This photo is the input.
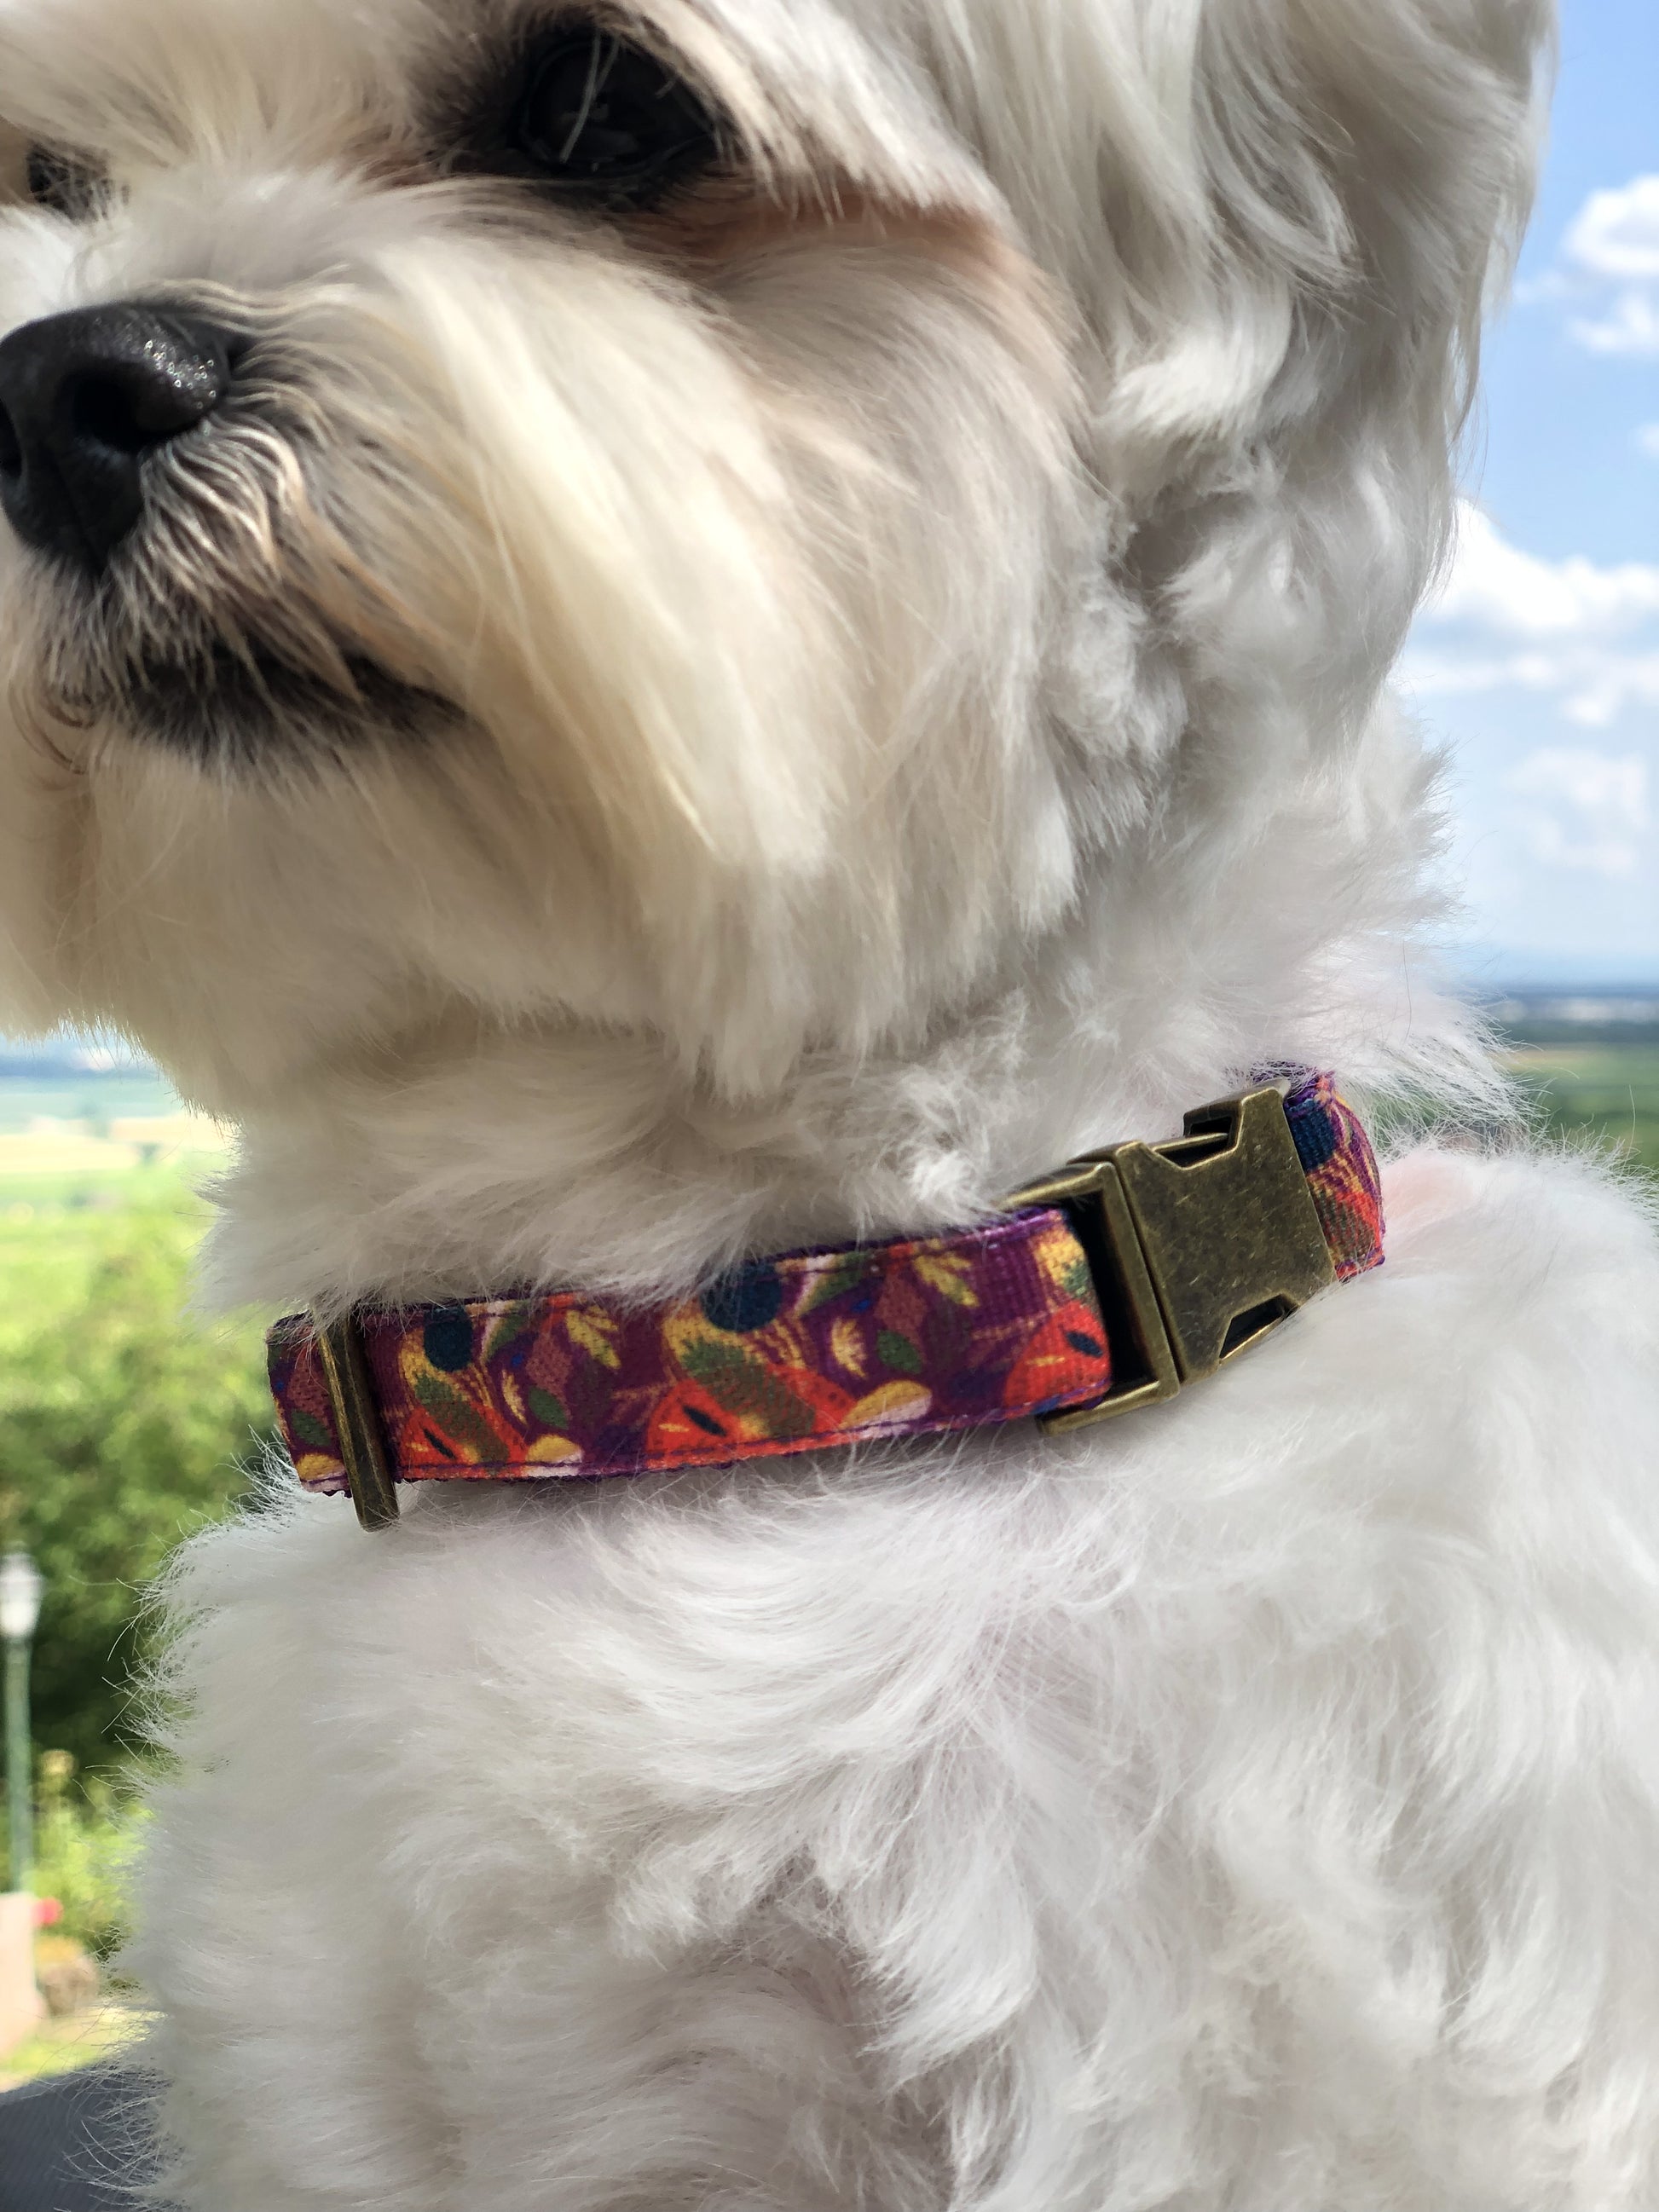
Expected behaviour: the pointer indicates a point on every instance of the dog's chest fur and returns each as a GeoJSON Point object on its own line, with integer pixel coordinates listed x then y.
{"type": "Point", "coordinates": [1180, 1816]}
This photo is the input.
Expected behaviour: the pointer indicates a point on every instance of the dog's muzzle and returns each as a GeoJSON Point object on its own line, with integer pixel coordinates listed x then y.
{"type": "Point", "coordinates": [86, 400]}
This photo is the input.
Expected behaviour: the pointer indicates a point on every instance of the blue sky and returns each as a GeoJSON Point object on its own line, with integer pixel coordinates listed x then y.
{"type": "Point", "coordinates": [1541, 665]}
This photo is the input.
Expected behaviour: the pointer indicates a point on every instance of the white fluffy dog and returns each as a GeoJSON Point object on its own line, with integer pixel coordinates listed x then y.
{"type": "Point", "coordinates": [637, 631]}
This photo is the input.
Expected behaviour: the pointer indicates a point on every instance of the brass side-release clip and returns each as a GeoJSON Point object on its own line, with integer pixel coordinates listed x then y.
{"type": "Point", "coordinates": [1198, 1248]}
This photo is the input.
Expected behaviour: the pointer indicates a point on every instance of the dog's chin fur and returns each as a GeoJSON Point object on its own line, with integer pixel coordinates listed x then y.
{"type": "Point", "coordinates": [775, 718]}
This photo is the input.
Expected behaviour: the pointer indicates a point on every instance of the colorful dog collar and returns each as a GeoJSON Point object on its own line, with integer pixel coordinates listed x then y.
{"type": "Point", "coordinates": [1110, 1285]}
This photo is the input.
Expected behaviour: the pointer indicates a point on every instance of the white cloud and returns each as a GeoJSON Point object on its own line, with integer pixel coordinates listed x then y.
{"type": "Point", "coordinates": [1581, 809]}
{"type": "Point", "coordinates": [1647, 440]}
{"type": "Point", "coordinates": [1593, 688]}
{"type": "Point", "coordinates": [1616, 234]}
{"type": "Point", "coordinates": [1585, 633]}
{"type": "Point", "coordinates": [1608, 270]}
{"type": "Point", "coordinates": [1630, 325]}
{"type": "Point", "coordinates": [1496, 585]}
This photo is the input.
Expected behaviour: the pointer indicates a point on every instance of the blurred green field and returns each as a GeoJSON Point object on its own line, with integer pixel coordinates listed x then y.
{"type": "Point", "coordinates": [1604, 1088]}
{"type": "Point", "coordinates": [32, 1197]}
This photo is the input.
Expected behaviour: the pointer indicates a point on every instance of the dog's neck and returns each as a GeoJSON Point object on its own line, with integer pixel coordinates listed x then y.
{"type": "Point", "coordinates": [468, 1158]}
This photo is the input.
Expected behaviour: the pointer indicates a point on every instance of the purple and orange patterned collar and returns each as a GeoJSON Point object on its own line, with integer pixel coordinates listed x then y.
{"type": "Point", "coordinates": [1112, 1285]}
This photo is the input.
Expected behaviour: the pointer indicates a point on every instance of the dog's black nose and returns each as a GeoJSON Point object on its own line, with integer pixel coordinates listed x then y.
{"type": "Point", "coordinates": [84, 399]}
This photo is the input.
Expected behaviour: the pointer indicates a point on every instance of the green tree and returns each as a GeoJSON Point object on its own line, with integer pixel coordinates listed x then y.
{"type": "Point", "coordinates": [125, 1423]}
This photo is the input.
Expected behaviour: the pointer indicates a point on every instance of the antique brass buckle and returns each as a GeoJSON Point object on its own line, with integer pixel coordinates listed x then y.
{"type": "Point", "coordinates": [357, 1422]}
{"type": "Point", "coordinates": [1198, 1248]}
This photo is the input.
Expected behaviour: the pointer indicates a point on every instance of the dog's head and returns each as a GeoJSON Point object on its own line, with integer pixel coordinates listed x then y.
{"type": "Point", "coordinates": [706, 515]}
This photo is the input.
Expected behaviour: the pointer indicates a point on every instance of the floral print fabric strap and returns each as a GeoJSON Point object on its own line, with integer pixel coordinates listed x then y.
{"type": "Point", "coordinates": [777, 1357]}
{"type": "Point", "coordinates": [1337, 1158]}
{"type": "Point", "coordinates": [919, 1337]}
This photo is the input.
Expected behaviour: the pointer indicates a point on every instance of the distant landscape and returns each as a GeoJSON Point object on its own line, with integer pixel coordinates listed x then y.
{"type": "Point", "coordinates": [88, 1124]}
{"type": "Point", "coordinates": [1590, 1060]}
{"type": "Point", "coordinates": [79, 1121]}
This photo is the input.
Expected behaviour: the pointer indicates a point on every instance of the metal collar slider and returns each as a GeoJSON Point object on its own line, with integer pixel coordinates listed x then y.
{"type": "Point", "coordinates": [357, 1422]}
{"type": "Point", "coordinates": [1198, 1248]}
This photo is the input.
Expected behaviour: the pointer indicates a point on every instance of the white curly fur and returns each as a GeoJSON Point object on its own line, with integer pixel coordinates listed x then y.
{"type": "Point", "coordinates": [894, 644]}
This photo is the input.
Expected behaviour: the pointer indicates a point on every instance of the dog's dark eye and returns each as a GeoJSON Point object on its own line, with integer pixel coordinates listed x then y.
{"type": "Point", "coordinates": [607, 121]}
{"type": "Point", "coordinates": [63, 182]}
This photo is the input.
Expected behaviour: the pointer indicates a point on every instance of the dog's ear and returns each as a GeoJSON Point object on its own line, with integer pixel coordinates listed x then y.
{"type": "Point", "coordinates": [1281, 219]}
